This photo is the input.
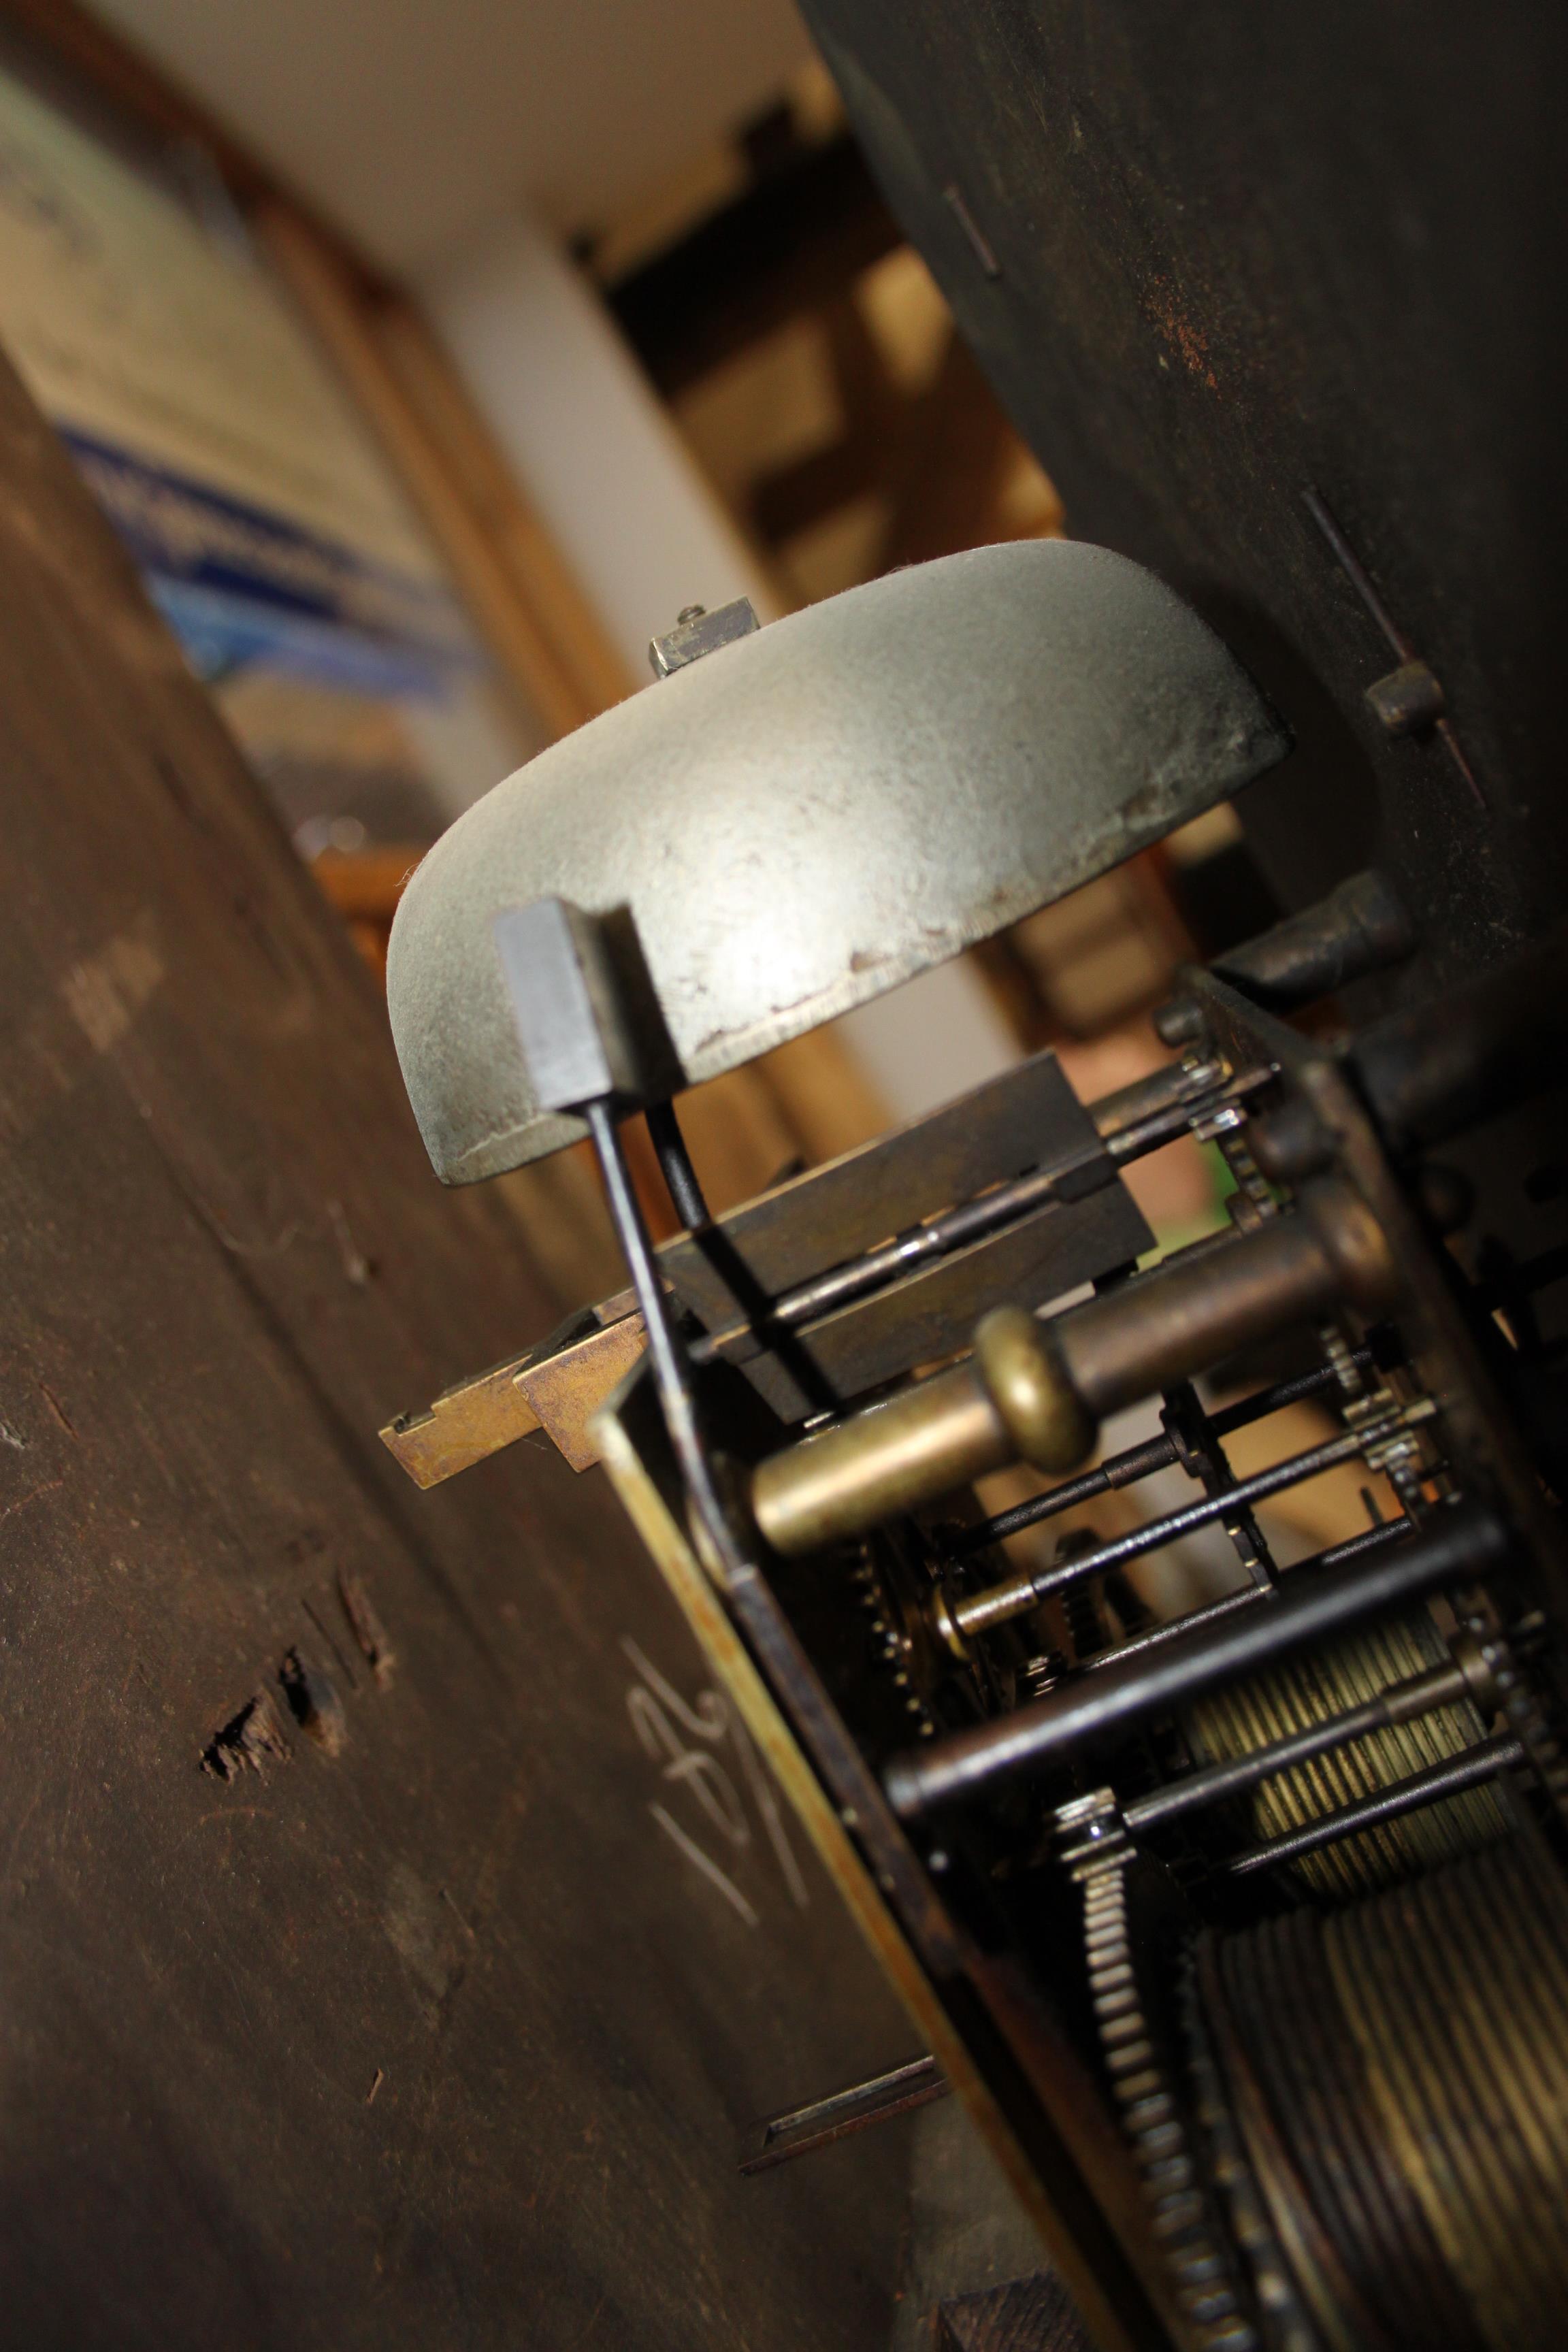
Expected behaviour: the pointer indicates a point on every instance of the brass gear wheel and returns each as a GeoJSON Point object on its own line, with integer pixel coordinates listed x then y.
{"type": "Point", "coordinates": [1147, 2094]}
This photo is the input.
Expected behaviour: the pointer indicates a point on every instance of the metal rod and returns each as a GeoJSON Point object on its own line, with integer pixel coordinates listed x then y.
{"type": "Point", "coordinates": [1064, 1376]}
{"type": "Point", "coordinates": [1189, 1313]}
{"type": "Point", "coordinates": [1116, 1470]}
{"type": "Point", "coordinates": [1142, 1461]}
{"type": "Point", "coordinates": [897, 2092]}
{"type": "Point", "coordinates": [1370, 1539]}
{"type": "Point", "coordinates": [972, 1221]}
{"type": "Point", "coordinates": [1004, 1204]}
{"type": "Point", "coordinates": [675, 1165]}
{"type": "Point", "coordinates": [1350, 564]}
{"type": "Point", "coordinates": [1488, 1762]}
{"type": "Point", "coordinates": [1248, 1410]}
{"type": "Point", "coordinates": [670, 1367]}
{"type": "Point", "coordinates": [1022, 1593]}
{"type": "Point", "coordinates": [1422, 1695]}
{"type": "Point", "coordinates": [875, 2086]}
{"type": "Point", "coordinates": [1162, 1126]}
{"type": "Point", "coordinates": [1448, 736]}
{"type": "Point", "coordinates": [1461, 1542]}
{"type": "Point", "coordinates": [1172, 1082]}
{"type": "Point", "coordinates": [1244, 1597]}
{"type": "Point", "coordinates": [772, 1636]}
{"type": "Point", "coordinates": [1355, 572]}
{"type": "Point", "coordinates": [548, 953]}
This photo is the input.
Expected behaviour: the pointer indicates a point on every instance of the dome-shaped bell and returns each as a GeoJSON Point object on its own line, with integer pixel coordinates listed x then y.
{"type": "Point", "coordinates": [815, 813]}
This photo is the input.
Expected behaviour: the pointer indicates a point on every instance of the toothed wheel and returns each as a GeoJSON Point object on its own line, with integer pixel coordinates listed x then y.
{"type": "Point", "coordinates": [900, 1634]}
{"type": "Point", "coordinates": [1144, 2086]}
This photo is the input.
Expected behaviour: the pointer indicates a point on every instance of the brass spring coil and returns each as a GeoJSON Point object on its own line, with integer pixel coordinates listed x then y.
{"type": "Point", "coordinates": [1309, 1691]}
{"type": "Point", "coordinates": [1398, 2076]}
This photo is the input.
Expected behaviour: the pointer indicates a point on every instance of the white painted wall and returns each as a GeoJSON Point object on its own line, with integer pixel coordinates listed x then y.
{"type": "Point", "coordinates": [440, 133]}
{"type": "Point", "coordinates": [409, 121]}
{"type": "Point", "coordinates": [591, 444]}
{"type": "Point", "coordinates": [932, 1040]}
{"type": "Point", "coordinates": [599, 455]}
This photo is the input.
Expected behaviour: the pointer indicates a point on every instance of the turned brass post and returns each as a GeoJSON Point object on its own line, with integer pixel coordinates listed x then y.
{"type": "Point", "coordinates": [1037, 1391]}
{"type": "Point", "coordinates": [1009, 1401]}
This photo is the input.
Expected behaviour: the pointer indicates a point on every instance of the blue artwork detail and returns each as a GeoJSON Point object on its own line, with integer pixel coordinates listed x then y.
{"type": "Point", "coordinates": [242, 587]}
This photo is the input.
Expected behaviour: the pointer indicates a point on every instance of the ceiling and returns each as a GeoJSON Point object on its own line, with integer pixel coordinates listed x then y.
{"type": "Point", "coordinates": [410, 121]}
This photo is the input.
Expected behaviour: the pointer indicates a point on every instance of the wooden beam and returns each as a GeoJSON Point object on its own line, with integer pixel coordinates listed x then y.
{"type": "Point", "coordinates": [365, 884]}
{"type": "Point", "coordinates": [954, 463]}
{"type": "Point", "coordinates": [787, 247]}
{"type": "Point", "coordinates": [793, 496]}
{"type": "Point", "coordinates": [335, 308]}
{"type": "Point", "coordinates": [464, 441]}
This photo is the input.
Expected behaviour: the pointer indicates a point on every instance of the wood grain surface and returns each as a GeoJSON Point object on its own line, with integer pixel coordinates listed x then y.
{"type": "Point", "coordinates": [435, 2023]}
{"type": "Point", "coordinates": [1029, 2314]}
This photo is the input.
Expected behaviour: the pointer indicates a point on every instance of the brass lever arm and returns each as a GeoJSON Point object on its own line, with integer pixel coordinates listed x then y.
{"type": "Point", "coordinates": [557, 1388]}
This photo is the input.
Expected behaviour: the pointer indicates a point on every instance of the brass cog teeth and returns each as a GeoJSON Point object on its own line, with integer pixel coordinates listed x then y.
{"type": "Point", "coordinates": [1287, 2328]}
{"type": "Point", "coordinates": [1394, 2078]}
{"type": "Point", "coordinates": [1311, 1691]}
{"type": "Point", "coordinates": [1201, 2305]}
{"type": "Point", "coordinates": [1195, 2256]}
{"type": "Point", "coordinates": [1137, 2053]}
{"type": "Point", "coordinates": [890, 1643]}
{"type": "Point", "coordinates": [1527, 1720]}
{"type": "Point", "coordinates": [1182, 2213]}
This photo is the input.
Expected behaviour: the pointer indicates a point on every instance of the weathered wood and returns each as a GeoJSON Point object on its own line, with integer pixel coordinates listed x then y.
{"type": "Point", "coordinates": [950, 468]}
{"type": "Point", "coordinates": [443, 2038]}
{"type": "Point", "coordinates": [1213, 257]}
{"type": "Point", "coordinates": [800, 493]}
{"type": "Point", "coordinates": [1030, 2314]}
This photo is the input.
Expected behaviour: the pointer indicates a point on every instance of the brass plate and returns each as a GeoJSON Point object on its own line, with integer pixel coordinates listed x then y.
{"type": "Point", "coordinates": [558, 1392]}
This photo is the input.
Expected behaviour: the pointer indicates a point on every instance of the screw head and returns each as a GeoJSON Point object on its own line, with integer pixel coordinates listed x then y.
{"type": "Point", "coordinates": [1180, 1023]}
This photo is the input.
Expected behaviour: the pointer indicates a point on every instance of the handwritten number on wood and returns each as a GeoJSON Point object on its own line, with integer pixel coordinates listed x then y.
{"type": "Point", "coordinates": [706, 1805]}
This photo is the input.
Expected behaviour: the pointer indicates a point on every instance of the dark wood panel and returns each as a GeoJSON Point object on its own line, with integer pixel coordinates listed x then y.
{"type": "Point", "coordinates": [1030, 2314]}
{"type": "Point", "coordinates": [1213, 255]}
{"type": "Point", "coordinates": [443, 2039]}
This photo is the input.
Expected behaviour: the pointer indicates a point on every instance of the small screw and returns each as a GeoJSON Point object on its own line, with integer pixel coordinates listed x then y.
{"type": "Point", "coordinates": [1180, 1023]}
{"type": "Point", "coordinates": [689, 613]}
{"type": "Point", "coordinates": [1408, 701]}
